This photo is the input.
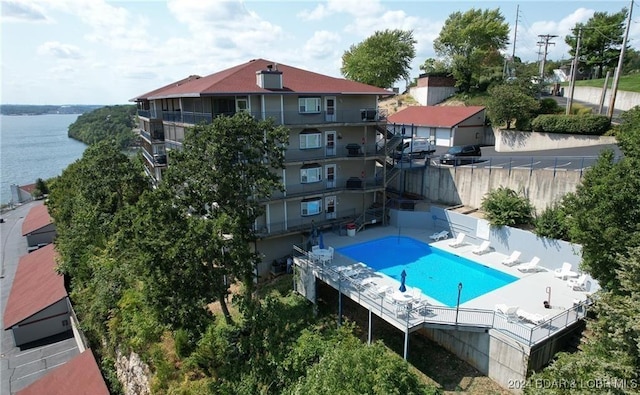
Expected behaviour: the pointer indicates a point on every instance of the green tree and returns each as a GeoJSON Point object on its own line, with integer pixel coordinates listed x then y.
{"type": "Point", "coordinates": [508, 102]}
{"type": "Point", "coordinates": [84, 202]}
{"type": "Point", "coordinates": [381, 59]}
{"type": "Point", "coordinates": [505, 207]}
{"type": "Point", "coordinates": [434, 66]}
{"type": "Point", "coordinates": [218, 180]}
{"type": "Point", "coordinates": [552, 223]}
{"type": "Point", "coordinates": [112, 123]}
{"type": "Point", "coordinates": [605, 206]}
{"type": "Point", "coordinates": [631, 61]}
{"type": "Point", "coordinates": [602, 37]}
{"type": "Point", "coordinates": [470, 42]}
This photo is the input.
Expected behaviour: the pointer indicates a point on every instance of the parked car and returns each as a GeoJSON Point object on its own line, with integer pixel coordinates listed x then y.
{"type": "Point", "coordinates": [414, 148]}
{"type": "Point", "coordinates": [459, 154]}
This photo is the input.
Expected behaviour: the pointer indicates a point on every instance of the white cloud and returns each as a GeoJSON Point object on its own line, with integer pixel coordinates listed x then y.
{"type": "Point", "coordinates": [22, 11]}
{"type": "Point", "coordinates": [59, 50]}
{"type": "Point", "coordinates": [318, 13]}
{"type": "Point", "coordinates": [322, 45]}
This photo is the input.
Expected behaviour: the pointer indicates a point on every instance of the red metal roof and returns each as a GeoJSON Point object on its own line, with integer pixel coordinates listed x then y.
{"type": "Point", "coordinates": [241, 79]}
{"type": "Point", "coordinates": [79, 376]}
{"type": "Point", "coordinates": [434, 116]}
{"type": "Point", "coordinates": [36, 286]}
{"type": "Point", "coordinates": [37, 218]}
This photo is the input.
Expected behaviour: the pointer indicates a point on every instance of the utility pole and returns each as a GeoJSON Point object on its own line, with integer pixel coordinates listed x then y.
{"type": "Point", "coordinates": [507, 71]}
{"type": "Point", "coordinates": [546, 43]}
{"type": "Point", "coordinates": [574, 69]}
{"type": "Point", "coordinates": [614, 88]}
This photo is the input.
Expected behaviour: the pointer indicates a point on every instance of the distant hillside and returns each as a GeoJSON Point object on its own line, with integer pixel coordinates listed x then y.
{"type": "Point", "coordinates": [30, 109]}
{"type": "Point", "coordinates": [113, 123]}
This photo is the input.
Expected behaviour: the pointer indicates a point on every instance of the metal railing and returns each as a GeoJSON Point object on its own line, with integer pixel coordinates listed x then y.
{"type": "Point", "coordinates": [410, 316]}
{"type": "Point", "coordinates": [353, 115]}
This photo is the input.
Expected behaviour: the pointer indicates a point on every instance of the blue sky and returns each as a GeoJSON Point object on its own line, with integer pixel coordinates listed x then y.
{"type": "Point", "coordinates": [107, 52]}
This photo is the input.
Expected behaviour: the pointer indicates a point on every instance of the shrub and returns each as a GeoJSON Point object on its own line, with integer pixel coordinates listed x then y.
{"type": "Point", "coordinates": [549, 106]}
{"type": "Point", "coordinates": [552, 224]}
{"type": "Point", "coordinates": [584, 124]}
{"type": "Point", "coordinates": [505, 207]}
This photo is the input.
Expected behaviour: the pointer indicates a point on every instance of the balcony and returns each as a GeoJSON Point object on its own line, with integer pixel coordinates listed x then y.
{"type": "Point", "coordinates": [323, 187]}
{"type": "Point", "coordinates": [352, 116]}
{"type": "Point", "coordinates": [156, 160]}
{"type": "Point", "coordinates": [348, 150]}
{"type": "Point", "coordinates": [154, 136]}
{"type": "Point", "coordinates": [340, 218]}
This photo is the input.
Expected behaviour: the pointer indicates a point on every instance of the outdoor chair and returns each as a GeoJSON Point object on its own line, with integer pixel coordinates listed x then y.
{"type": "Point", "coordinates": [565, 271]}
{"type": "Point", "coordinates": [510, 312]}
{"type": "Point", "coordinates": [459, 241]}
{"type": "Point", "coordinates": [531, 266]}
{"type": "Point", "coordinates": [440, 235]}
{"type": "Point", "coordinates": [533, 318]}
{"type": "Point", "coordinates": [482, 248]}
{"type": "Point", "coordinates": [513, 259]}
{"type": "Point", "coordinates": [579, 284]}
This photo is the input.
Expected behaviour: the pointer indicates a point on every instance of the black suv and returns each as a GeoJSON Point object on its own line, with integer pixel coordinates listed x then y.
{"type": "Point", "coordinates": [459, 154]}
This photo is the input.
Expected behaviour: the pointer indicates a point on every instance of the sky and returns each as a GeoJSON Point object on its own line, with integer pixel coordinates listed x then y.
{"type": "Point", "coordinates": [108, 52]}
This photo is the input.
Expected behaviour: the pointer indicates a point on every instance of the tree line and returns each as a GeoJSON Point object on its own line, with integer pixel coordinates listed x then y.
{"type": "Point", "coordinates": [112, 123]}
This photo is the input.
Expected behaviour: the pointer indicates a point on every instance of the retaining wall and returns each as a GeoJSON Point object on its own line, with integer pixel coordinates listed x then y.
{"type": "Point", "coordinates": [467, 186]}
{"type": "Point", "coordinates": [624, 100]}
{"type": "Point", "coordinates": [518, 141]}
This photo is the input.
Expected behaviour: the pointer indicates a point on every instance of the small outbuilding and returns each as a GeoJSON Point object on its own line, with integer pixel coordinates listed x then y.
{"type": "Point", "coordinates": [80, 375]}
{"type": "Point", "coordinates": [445, 126]}
{"type": "Point", "coordinates": [38, 227]}
{"type": "Point", "coordinates": [38, 304]}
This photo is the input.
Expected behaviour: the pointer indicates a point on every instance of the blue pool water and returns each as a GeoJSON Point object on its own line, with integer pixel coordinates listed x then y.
{"type": "Point", "coordinates": [436, 272]}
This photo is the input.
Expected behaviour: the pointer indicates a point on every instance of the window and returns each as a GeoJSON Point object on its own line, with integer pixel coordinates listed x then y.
{"type": "Point", "coordinates": [242, 104]}
{"type": "Point", "coordinates": [309, 105]}
{"type": "Point", "coordinates": [311, 207]}
{"type": "Point", "coordinates": [311, 173]}
{"type": "Point", "coordinates": [310, 140]}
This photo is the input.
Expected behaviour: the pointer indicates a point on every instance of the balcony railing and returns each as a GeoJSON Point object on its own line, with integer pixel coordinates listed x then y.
{"type": "Point", "coordinates": [360, 115]}
{"type": "Point", "coordinates": [157, 160]}
{"type": "Point", "coordinates": [324, 186]}
{"type": "Point", "coordinates": [323, 220]}
{"type": "Point", "coordinates": [154, 136]}
{"type": "Point", "coordinates": [344, 150]}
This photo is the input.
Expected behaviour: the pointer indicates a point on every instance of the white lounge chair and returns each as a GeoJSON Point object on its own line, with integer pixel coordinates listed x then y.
{"type": "Point", "coordinates": [565, 271]}
{"type": "Point", "coordinates": [458, 241]}
{"type": "Point", "coordinates": [533, 318]}
{"type": "Point", "coordinates": [531, 266]}
{"type": "Point", "coordinates": [578, 284]}
{"type": "Point", "coordinates": [513, 259]}
{"type": "Point", "coordinates": [510, 312]}
{"type": "Point", "coordinates": [440, 235]}
{"type": "Point", "coordinates": [483, 248]}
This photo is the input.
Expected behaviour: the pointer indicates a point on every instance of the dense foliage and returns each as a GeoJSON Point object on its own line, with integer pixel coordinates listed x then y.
{"type": "Point", "coordinates": [508, 102]}
{"type": "Point", "coordinates": [602, 216]}
{"type": "Point", "coordinates": [590, 124]}
{"type": "Point", "coordinates": [470, 43]}
{"type": "Point", "coordinates": [505, 207]}
{"type": "Point", "coordinates": [551, 223]}
{"type": "Point", "coordinates": [381, 59]}
{"type": "Point", "coordinates": [601, 40]}
{"type": "Point", "coordinates": [112, 123]}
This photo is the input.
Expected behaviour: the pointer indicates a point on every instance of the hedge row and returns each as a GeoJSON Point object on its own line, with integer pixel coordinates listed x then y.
{"type": "Point", "coordinates": [574, 124]}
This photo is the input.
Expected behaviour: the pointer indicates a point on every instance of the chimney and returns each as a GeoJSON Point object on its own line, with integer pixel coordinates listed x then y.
{"type": "Point", "coordinates": [269, 78]}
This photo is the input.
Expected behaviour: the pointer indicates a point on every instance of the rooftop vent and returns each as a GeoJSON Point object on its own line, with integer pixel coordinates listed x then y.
{"type": "Point", "coordinates": [271, 78]}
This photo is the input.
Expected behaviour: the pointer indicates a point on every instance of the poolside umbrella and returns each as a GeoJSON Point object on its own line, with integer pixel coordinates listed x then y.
{"type": "Point", "coordinates": [403, 276]}
{"type": "Point", "coordinates": [321, 243]}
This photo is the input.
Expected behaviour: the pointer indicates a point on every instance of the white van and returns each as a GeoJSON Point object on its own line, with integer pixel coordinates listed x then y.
{"type": "Point", "coordinates": [417, 147]}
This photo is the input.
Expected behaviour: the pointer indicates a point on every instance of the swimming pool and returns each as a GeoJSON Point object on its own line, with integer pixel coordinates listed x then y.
{"type": "Point", "coordinates": [434, 271]}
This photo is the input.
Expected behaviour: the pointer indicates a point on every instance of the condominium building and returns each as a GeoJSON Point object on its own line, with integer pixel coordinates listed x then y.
{"type": "Point", "coordinates": [335, 172]}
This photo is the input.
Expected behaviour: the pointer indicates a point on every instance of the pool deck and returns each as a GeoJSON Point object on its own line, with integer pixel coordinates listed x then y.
{"type": "Point", "coordinates": [528, 292]}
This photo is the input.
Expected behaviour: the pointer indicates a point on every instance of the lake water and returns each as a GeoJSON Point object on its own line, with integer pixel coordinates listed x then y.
{"type": "Point", "coordinates": [33, 147]}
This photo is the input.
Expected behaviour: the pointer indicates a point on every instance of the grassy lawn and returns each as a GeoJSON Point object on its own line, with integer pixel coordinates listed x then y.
{"type": "Point", "coordinates": [629, 83]}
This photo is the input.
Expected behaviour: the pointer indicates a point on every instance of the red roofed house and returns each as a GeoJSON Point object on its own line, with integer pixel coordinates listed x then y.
{"type": "Point", "coordinates": [446, 125]}
{"type": "Point", "coordinates": [38, 304]}
{"type": "Point", "coordinates": [79, 376]}
{"type": "Point", "coordinates": [22, 193]}
{"type": "Point", "coordinates": [331, 176]}
{"type": "Point", "coordinates": [38, 227]}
